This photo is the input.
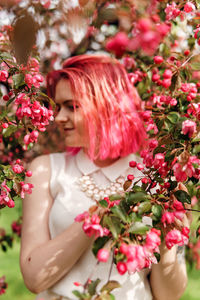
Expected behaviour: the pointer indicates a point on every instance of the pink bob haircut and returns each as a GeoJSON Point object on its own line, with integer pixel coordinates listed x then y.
{"type": "Point", "coordinates": [108, 101]}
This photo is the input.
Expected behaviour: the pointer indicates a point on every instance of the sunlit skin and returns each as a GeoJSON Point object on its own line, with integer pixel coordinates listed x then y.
{"type": "Point", "coordinates": [69, 116]}
{"type": "Point", "coordinates": [70, 120]}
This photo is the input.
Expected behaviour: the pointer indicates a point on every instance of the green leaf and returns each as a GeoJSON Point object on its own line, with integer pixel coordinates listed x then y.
{"type": "Point", "coordinates": [144, 207]}
{"type": "Point", "coordinates": [10, 101]}
{"type": "Point", "coordinates": [99, 243]}
{"type": "Point", "coordinates": [115, 197]}
{"type": "Point", "coordinates": [133, 198]}
{"type": "Point", "coordinates": [103, 203]}
{"type": "Point", "coordinates": [157, 210]}
{"type": "Point", "coordinates": [196, 138]}
{"type": "Point", "coordinates": [196, 149]}
{"type": "Point", "coordinates": [195, 66]}
{"type": "Point", "coordinates": [3, 114]}
{"type": "Point", "coordinates": [119, 211]}
{"type": "Point", "coordinates": [5, 56]}
{"type": "Point", "coordinates": [77, 294]}
{"type": "Point", "coordinates": [10, 130]}
{"type": "Point", "coordinates": [182, 196]}
{"type": "Point", "coordinates": [9, 184]}
{"type": "Point", "coordinates": [198, 231]}
{"type": "Point", "coordinates": [18, 80]}
{"type": "Point", "coordinates": [110, 286]}
{"type": "Point", "coordinates": [92, 286]}
{"type": "Point", "coordinates": [173, 117]}
{"type": "Point", "coordinates": [50, 100]}
{"type": "Point", "coordinates": [112, 297]}
{"type": "Point", "coordinates": [138, 228]}
{"type": "Point", "coordinates": [113, 225]}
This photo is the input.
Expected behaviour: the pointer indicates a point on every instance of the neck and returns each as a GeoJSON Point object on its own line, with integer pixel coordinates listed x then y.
{"type": "Point", "coordinates": [103, 163]}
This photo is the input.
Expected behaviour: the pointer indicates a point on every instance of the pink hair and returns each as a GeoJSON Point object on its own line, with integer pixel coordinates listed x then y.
{"type": "Point", "coordinates": [109, 103]}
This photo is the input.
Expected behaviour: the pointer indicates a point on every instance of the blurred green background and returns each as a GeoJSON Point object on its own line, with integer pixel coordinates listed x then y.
{"type": "Point", "coordinates": [9, 266]}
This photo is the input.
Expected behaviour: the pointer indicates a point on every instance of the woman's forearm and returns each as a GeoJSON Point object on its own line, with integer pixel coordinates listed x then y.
{"type": "Point", "coordinates": [168, 278]}
{"type": "Point", "coordinates": [49, 262]}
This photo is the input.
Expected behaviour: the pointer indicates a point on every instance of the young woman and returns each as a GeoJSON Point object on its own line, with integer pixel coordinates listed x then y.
{"type": "Point", "coordinates": [98, 113]}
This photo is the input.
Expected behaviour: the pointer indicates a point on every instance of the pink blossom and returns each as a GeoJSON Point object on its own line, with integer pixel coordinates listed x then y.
{"type": "Point", "coordinates": [189, 127]}
{"type": "Point", "coordinates": [3, 75]}
{"type": "Point", "coordinates": [152, 127]}
{"type": "Point", "coordinates": [129, 62]}
{"type": "Point", "coordinates": [140, 167]}
{"type": "Point", "coordinates": [17, 168]}
{"type": "Point", "coordinates": [167, 218]}
{"type": "Point", "coordinates": [153, 240]}
{"type": "Point", "coordinates": [103, 255]}
{"type": "Point", "coordinates": [153, 143]}
{"type": "Point", "coordinates": [146, 115]}
{"type": "Point", "coordinates": [172, 11]}
{"type": "Point", "coordinates": [118, 44]}
{"type": "Point", "coordinates": [179, 173]}
{"type": "Point", "coordinates": [136, 258]}
{"type": "Point", "coordinates": [82, 217]}
{"type": "Point", "coordinates": [159, 160]}
{"type": "Point", "coordinates": [26, 188]}
{"type": "Point", "coordinates": [177, 205]}
{"type": "Point", "coordinates": [189, 6]}
{"type": "Point", "coordinates": [175, 237]}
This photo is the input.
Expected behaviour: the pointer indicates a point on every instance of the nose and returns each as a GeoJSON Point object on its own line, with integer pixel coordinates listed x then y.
{"type": "Point", "coordinates": [61, 116]}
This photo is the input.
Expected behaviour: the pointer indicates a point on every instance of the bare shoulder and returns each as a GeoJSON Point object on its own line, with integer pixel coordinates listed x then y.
{"type": "Point", "coordinates": [40, 161]}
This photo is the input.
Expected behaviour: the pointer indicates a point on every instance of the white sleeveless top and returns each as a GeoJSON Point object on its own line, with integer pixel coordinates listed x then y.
{"type": "Point", "coordinates": [69, 201]}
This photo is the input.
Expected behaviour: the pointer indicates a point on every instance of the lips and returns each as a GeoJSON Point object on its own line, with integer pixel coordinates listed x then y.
{"type": "Point", "coordinates": [68, 129]}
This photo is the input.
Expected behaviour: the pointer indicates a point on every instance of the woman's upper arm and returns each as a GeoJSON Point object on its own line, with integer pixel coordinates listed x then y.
{"type": "Point", "coordinates": [36, 207]}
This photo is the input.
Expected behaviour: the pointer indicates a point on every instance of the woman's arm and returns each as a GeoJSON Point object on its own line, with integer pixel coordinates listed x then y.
{"type": "Point", "coordinates": [168, 278]}
{"type": "Point", "coordinates": [44, 261]}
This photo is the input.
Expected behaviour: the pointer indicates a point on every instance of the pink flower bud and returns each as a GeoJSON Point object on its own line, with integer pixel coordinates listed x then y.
{"type": "Point", "coordinates": [144, 180]}
{"type": "Point", "coordinates": [130, 177]}
{"type": "Point", "coordinates": [5, 125]}
{"type": "Point", "coordinates": [132, 164]}
{"type": "Point", "coordinates": [166, 83]}
{"type": "Point", "coordinates": [28, 173]}
{"type": "Point", "coordinates": [158, 59]}
{"type": "Point", "coordinates": [5, 97]}
{"type": "Point", "coordinates": [121, 268]}
{"type": "Point", "coordinates": [167, 74]}
{"type": "Point", "coordinates": [10, 203]}
{"type": "Point", "coordinates": [103, 255]}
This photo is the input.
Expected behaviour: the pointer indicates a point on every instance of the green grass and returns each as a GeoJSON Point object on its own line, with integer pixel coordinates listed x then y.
{"type": "Point", "coordinates": [9, 266]}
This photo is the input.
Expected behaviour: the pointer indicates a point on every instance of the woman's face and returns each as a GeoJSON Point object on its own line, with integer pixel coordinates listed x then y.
{"type": "Point", "coordinates": [68, 117]}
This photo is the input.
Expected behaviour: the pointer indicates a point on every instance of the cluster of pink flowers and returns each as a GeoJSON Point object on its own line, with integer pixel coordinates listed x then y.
{"type": "Point", "coordinates": [165, 81]}
{"type": "Point", "coordinates": [172, 10]}
{"type": "Point", "coordinates": [147, 35]}
{"type": "Point", "coordinates": [140, 256]}
{"type": "Point", "coordinates": [91, 225]}
{"type": "Point", "coordinates": [25, 188]}
{"type": "Point", "coordinates": [191, 89]}
{"type": "Point", "coordinates": [38, 114]}
{"type": "Point", "coordinates": [177, 237]}
{"type": "Point", "coordinates": [182, 172]}
{"type": "Point", "coordinates": [4, 195]}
